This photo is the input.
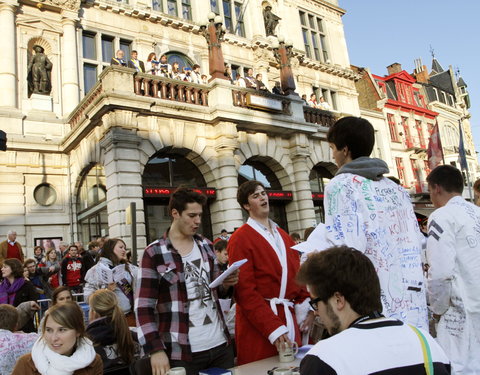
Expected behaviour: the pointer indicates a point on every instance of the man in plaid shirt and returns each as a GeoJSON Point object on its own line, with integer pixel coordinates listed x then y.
{"type": "Point", "coordinates": [179, 319]}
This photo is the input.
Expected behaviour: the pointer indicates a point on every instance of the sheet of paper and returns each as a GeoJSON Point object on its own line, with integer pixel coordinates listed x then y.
{"type": "Point", "coordinates": [105, 274]}
{"type": "Point", "coordinates": [317, 241]}
{"type": "Point", "coordinates": [233, 267]}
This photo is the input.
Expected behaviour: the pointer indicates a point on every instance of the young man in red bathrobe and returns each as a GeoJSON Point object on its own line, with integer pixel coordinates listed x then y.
{"type": "Point", "coordinates": [267, 295]}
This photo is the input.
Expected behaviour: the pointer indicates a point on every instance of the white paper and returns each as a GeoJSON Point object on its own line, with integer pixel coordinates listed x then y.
{"type": "Point", "coordinates": [233, 267]}
{"type": "Point", "coordinates": [105, 274]}
{"type": "Point", "coordinates": [317, 241]}
{"type": "Point", "coordinates": [303, 350]}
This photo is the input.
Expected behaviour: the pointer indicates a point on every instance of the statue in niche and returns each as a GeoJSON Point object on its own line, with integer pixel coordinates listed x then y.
{"type": "Point", "coordinates": [39, 72]}
{"type": "Point", "coordinates": [271, 20]}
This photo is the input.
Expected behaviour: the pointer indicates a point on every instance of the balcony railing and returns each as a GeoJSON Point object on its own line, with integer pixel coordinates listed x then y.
{"type": "Point", "coordinates": [170, 89]}
{"type": "Point", "coordinates": [319, 116]}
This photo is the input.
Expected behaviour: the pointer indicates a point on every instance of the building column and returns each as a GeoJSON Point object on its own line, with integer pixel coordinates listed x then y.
{"type": "Point", "coordinates": [299, 152]}
{"type": "Point", "coordinates": [70, 83]}
{"type": "Point", "coordinates": [225, 211]}
{"type": "Point", "coordinates": [123, 179]}
{"type": "Point", "coordinates": [8, 74]}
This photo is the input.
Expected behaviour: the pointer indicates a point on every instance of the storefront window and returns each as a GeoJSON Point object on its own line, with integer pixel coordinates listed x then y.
{"type": "Point", "coordinates": [92, 205]}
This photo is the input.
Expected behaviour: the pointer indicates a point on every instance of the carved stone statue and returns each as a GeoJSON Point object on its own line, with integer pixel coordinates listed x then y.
{"type": "Point", "coordinates": [39, 72]}
{"type": "Point", "coordinates": [270, 20]}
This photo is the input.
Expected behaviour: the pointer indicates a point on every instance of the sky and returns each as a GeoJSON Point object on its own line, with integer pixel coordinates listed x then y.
{"type": "Point", "coordinates": [381, 32]}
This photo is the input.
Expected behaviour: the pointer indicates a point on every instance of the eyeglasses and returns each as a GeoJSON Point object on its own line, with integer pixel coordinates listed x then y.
{"type": "Point", "coordinates": [313, 303]}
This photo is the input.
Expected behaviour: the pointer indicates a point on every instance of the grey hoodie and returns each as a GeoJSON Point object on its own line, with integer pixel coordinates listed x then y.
{"type": "Point", "coordinates": [371, 168]}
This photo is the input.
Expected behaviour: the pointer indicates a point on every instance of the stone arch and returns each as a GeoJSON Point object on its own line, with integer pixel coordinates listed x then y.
{"type": "Point", "coordinates": [268, 150]}
{"type": "Point", "coordinates": [178, 136]}
{"type": "Point", "coordinates": [41, 42]}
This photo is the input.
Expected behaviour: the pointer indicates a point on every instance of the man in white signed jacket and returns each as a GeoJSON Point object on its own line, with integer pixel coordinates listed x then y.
{"type": "Point", "coordinates": [453, 253]}
{"type": "Point", "coordinates": [367, 211]}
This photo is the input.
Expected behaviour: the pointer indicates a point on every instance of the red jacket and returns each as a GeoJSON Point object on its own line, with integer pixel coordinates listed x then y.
{"type": "Point", "coordinates": [72, 271]}
{"type": "Point", "coordinates": [260, 279]}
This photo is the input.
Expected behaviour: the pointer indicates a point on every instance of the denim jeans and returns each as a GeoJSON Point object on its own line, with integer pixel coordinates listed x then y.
{"type": "Point", "coordinates": [221, 356]}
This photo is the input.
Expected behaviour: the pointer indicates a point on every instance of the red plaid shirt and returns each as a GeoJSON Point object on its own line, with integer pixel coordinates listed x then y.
{"type": "Point", "coordinates": [161, 303]}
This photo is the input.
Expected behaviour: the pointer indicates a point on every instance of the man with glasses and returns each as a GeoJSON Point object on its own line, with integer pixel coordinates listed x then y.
{"type": "Point", "coordinates": [345, 292]}
{"type": "Point", "coordinates": [268, 299]}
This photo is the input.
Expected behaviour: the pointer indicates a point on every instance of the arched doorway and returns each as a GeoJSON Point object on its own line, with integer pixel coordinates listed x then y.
{"type": "Point", "coordinates": [163, 173]}
{"type": "Point", "coordinates": [278, 198]}
{"type": "Point", "coordinates": [320, 175]}
{"type": "Point", "coordinates": [92, 216]}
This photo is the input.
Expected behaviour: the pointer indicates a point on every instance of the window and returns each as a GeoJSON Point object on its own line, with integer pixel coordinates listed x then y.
{"type": "Point", "coordinates": [232, 13]}
{"type": "Point", "coordinates": [400, 170]}
{"type": "Point", "coordinates": [443, 98]}
{"type": "Point", "coordinates": [419, 127]}
{"type": "Point", "coordinates": [45, 194]}
{"type": "Point", "coordinates": [314, 37]}
{"type": "Point", "coordinates": [329, 96]}
{"type": "Point", "coordinates": [182, 60]}
{"type": "Point", "coordinates": [175, 8]}
{"type": "Point", "coordinates": [406, 129]}
{"type": "Point", "coordinates": [392, 127]}
{"type": "Point", "coordinates": [97, 52]}
{"type": "Point", "coordinates": [450, 100]}
{"type": "Point", "coordinates": [435, 94]}
{"type": "Point", "coordinates": [92, 204]}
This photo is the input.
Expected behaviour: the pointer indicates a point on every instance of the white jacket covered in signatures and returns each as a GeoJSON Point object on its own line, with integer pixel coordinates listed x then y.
{"type": "Point", "coordinates": [372, 214]}
{"type": "Point", "coordinates": [453, 253]}
{"type": "Point", "coordinates": [103, 273]}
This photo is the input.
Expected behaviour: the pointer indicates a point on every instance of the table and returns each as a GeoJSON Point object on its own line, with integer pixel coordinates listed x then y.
{"type": "Point", "coordinates": [261, 367]}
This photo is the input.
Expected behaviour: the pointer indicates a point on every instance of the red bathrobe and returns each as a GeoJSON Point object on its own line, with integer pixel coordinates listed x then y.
{"type": "Point", "coordinates": [260, 279]}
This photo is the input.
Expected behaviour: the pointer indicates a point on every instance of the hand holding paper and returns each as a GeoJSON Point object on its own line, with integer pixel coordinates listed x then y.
{"type": "Point", "coordinates": [230, 270]}
{"type": "Point", "coordinates": [317, 241]}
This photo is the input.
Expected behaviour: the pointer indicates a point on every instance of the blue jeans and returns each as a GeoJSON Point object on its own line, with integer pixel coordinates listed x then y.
{"type": "Point", "coordinates": [221, 356]}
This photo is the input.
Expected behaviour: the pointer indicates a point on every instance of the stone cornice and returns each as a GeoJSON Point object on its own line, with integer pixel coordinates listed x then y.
{"type": "Point", "coordinates": [71, 5]}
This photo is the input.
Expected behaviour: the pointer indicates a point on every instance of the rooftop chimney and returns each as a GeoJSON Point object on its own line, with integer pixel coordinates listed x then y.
{"type": "Point", "coordinates": [394, 68]}
{"type": "Point", "coordinates": [420, 72]}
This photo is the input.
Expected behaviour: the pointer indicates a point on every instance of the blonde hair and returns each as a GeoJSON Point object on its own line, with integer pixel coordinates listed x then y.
{"type": "Point", "coordinates": [104, 302]}
{"type": "Point", "coordinates": [68, 315]}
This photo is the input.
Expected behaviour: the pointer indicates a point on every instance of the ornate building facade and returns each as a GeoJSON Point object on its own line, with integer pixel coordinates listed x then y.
{"type": "Point", "coordinates": [108, 136]}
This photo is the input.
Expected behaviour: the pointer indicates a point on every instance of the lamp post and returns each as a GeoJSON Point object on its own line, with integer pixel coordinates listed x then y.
{"type": "Point", "coordinates": [283, 52]}
{"type": "Point", "coordinates": [213, 31]}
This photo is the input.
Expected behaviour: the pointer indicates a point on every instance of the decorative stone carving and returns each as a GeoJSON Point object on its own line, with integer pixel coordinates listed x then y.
{"type": "Point", "coordinates": [64, 4]}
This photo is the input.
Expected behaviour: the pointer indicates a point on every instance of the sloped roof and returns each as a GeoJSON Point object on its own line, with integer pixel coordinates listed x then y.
{"type": "Point", "coordinates": [436, 67]}
{"type": "Point", "coordinates": [461, 82]}
{"type": "Point", "coordinates": [443, 81]}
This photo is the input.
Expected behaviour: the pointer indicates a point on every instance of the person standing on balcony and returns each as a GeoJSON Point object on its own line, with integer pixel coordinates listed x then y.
{"type": "Point", "coordinates": [453, 253]}
{"type": "Point", "coordinates": [367, 211]}
{"type": "Point", "coordinates": [119, 59]}
{"type": "Point", "coordinates": [313, 101]}
{"type": "Point", "coordinates": [196, 75]}
{"type": "Point", "coordinates": [10, 248]}
{"type": "Point", "coordinates": [248, 81]}
{"type": "Point", "coordinates": [136, 64]}
{"type": "Point", "coordinates": [152, 65]}
{"type": "Point", "coordinates": [164, 67]}
{"type": "Point", "coordinates": [323, 104]}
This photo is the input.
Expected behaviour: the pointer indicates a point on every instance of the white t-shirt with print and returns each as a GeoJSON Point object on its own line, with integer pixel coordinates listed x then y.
{"type": "Point", "coordinates": [205, 331]}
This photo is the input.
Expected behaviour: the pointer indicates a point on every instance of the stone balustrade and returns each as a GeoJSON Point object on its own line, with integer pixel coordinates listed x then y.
{"type": "Point", "coordinates": [170, 89]}
{"type": "Point", "coordinates": [319, 116]}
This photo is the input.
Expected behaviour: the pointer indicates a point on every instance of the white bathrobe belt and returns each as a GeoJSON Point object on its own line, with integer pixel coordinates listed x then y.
{"type": "Point", "coordinates": [288, 314]}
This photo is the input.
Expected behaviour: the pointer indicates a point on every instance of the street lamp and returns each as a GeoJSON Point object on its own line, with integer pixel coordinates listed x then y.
{"type": "Point", "coordinates": [283, 52]}
{"type": "Point", "coordinates": [214, 32]}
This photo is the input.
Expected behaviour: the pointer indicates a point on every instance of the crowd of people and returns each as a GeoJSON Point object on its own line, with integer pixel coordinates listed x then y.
{"type": "Point", "coordinates": [161, 67]}
{"type": "Point", "coordinates": [359, 276]}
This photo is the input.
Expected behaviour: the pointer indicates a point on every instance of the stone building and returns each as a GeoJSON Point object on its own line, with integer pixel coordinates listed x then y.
{"type": "Point", "coordinates": [109, 136]}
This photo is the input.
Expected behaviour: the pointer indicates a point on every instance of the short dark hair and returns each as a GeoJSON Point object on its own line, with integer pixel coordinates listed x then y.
{"type": "Point", "coordinates": [93, 244]}
{"type": "Point", "coordinates": [195, 66]}
{"type": "Point", "coordinates": [447, 177]}
{"type": "Point", "coordinates": [8, 317]}
{"type": "Point", "coordinates": [182, 196]}
{"type": "Point", "coordinates": [295, 236]}
{"type": "Point", "coordinates": [245, 189]}
{"type": "Point", "coordinates": [16, 266]}
{"type": "Point", "coordinates": [220, 245]}
{"type": "Point", "coordinates": [356, 133]}
{"type": "Point", "coordinates": [344, 270]}
{"type": "Point", "coordinates": [308, 232]}
{"type": "Point", "coordinates": [134, 51]}
{"type": "Point", "coordinates": [28, 261]}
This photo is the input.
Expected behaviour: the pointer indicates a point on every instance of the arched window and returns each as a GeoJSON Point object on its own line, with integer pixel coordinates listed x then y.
{"type": "Point", "coordinates": [166, 171]}
{"type": "Point", "coordinates": [320, 175]}
{"type": "Point", "coordinates": [183, 61]}
{"type": "Point", "coordinates": [92, 204]}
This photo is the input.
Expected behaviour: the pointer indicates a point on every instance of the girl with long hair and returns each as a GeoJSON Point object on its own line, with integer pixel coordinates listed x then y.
{"type": "Point", "coordinates": [108, 330]}
{"type": "Point", "coordinates": [51, 259]}
{"type": "Point", "coordinates": [113, 272]}
{"type": "Point", "coordinates": [152, 64]}
{"type": "Point", "coordinates": [62, 349]}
